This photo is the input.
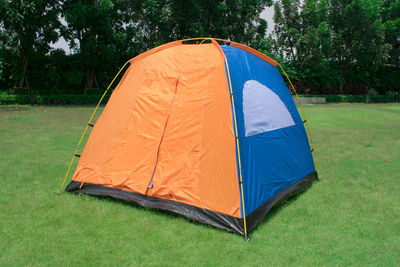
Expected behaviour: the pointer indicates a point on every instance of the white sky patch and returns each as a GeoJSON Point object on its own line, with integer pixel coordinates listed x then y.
{"type": "Point", "coordinates": [268, 15]}
{"type": "Point", "coordinates": [61, 43]}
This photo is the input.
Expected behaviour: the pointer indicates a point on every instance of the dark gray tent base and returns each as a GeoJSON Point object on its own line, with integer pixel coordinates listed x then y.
{"type": "Point", "coordinates": [194, 213]}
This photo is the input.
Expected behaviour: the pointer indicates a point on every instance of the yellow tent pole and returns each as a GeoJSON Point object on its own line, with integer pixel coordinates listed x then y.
{"type": "Point", "coordinates": [87, 126]}
{"type": "Point", "coordinates": [236, 130]}
{"type": "Point", "coordinates": [238, 150]}
{"type": "Point", "coordinates": [304, 116]}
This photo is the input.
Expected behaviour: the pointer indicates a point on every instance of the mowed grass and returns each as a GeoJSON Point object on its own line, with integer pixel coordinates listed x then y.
{"type": "Point", "coordinates": [350, 217]}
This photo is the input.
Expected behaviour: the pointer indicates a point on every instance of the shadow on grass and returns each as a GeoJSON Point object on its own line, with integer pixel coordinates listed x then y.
{"type": "Point", "coordinates": [272, 213]}
{"type": "Point", "coordinates": [277, 208]}
{"type": "Point", "coordinates": [154, 211]}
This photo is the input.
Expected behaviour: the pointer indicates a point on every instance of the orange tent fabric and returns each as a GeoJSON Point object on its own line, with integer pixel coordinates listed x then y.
{"type": "Point", "coordinates": [169, 124]}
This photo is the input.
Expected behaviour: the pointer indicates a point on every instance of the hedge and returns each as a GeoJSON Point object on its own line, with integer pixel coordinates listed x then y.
{"type": "Point", "coordinates": [389, 98]}
{"type": "Point", "coordinates": [9, 99]}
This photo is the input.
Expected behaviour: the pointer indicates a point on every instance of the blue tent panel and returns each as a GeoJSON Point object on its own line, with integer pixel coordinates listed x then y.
{"type": "Point", "coordinates": [274, 148]}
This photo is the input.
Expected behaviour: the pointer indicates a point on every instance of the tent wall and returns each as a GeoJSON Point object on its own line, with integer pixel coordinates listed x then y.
{"type": "Point", "coordinates": [276, 156]}
{"type": "Point", "coordinates": [168, 123]}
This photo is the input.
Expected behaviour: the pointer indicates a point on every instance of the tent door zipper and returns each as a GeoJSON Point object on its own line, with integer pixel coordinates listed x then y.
{"type": "Point", "coordinates": [150, 186]}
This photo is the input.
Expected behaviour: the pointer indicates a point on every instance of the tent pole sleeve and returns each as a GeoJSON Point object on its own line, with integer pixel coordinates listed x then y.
{"type": "Point", "coordinates": [237, 145]}
{"type": "Point", "coordinates": [87, 126]}
{"type": "Point", "coordinates": [304, 116]}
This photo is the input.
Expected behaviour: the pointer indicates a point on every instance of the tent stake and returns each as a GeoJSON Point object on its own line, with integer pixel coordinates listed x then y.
{"type": "Point", "coordinates": [246, 238]}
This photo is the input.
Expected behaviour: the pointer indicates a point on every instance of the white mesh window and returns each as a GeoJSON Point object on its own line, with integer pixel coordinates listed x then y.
{"type": "Point", "coordinates": [263, 109]}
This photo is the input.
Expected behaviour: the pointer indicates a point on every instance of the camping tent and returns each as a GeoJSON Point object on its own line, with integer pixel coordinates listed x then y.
{"type": "Point", "coordinates": [207, 131]}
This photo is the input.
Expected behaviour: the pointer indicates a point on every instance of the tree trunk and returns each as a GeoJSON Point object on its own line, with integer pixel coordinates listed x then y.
{"type": "Point", "coordinates": [342, 79]}
{"type": "Point", "coordinates": [23, 81]}
{"type": "Point", "coordinates": [91, 80]}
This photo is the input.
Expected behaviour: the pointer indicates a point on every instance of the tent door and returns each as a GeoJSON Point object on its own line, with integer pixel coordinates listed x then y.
{"type": "Point", "coordinates": [150, 186]}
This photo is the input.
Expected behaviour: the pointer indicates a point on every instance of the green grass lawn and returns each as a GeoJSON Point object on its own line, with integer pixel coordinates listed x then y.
{"type": "Point", "coordinates": [350, 217]}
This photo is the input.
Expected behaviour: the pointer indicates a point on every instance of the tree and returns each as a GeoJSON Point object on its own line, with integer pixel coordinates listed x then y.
{"type": "Point", "coordinates": [391, 22]}
{"type": "Point", "coordinates": [390, 72]}
{"type": "Point", "coordinates": [357, 37]}
{"type": "Point", "coordinates": [287, 28]}
{"type": "Point", "coordinates": [303, 38]}
{"type": "Point", "coordinates": [158, 22]}
{"type": "Point", "coordinates": [343, 38]}
{"type": "Point", "coordinates": [314, 44]}
{"type": "Point", "coordinates": [28, 27]}
{"type": "Point", "coordinates": [147, 24]}
{"type": "Point", "coordinates": [94, 30]}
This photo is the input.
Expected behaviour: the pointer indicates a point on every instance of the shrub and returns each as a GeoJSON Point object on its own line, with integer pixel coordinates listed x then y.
{"type": "Point", "coordinates": [9, 99]}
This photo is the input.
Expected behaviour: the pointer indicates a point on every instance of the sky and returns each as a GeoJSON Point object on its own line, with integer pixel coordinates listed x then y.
{"type": "Point", "coordinates": [267, 14]}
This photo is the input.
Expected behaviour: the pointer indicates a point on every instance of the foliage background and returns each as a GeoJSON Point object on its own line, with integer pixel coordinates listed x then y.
{"type": "Point", "coordinates": [327, 46]}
